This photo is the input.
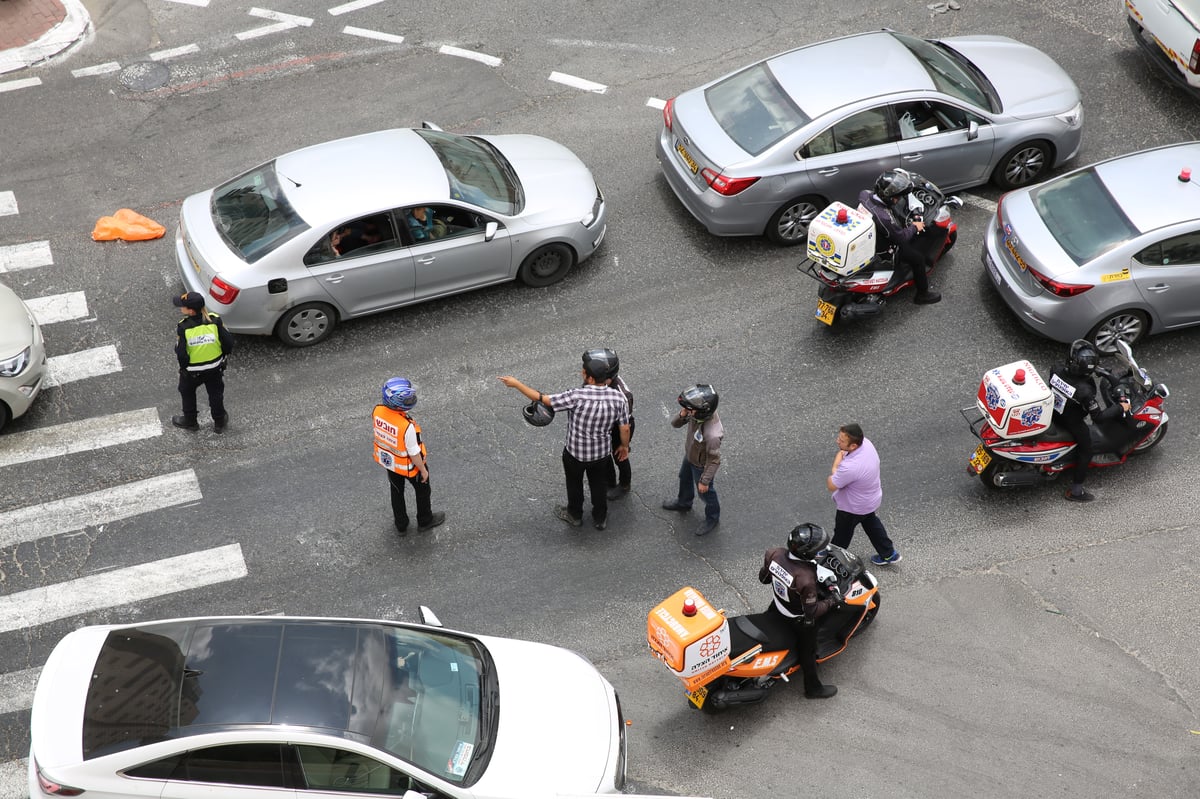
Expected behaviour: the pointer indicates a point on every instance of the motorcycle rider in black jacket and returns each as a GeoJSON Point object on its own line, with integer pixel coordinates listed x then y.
{"type": "Point", "coordinates": [792, 573]}
{"type": "Point", "coordinates": [883, 203]}
{"type": "Point", "coordinates": [1075, 400]}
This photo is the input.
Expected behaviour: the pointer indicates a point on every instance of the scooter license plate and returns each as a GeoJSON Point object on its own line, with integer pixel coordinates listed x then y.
{"type": "Point", "coordinates": [980, 459]}
{"type": "Point", "coordinates": [825, 311]}
{"type": "Point", "coordinates": [698, 696]}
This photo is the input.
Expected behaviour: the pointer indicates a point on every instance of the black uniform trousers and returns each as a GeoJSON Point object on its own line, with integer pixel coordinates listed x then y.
{"type": "Point", "coordinates": [214, 381]}
{"type": "Point", "coordinates": [399, 509]}
{"type": "Point", "coordinates": [597, 475]}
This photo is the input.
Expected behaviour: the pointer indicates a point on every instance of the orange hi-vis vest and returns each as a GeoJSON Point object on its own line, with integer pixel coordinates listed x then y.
{"type": "Point", "coordinates": [390, 452]}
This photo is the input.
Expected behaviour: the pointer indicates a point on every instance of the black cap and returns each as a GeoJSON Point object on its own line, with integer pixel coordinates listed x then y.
{"type": "Point", "coordinates": [190, 300]}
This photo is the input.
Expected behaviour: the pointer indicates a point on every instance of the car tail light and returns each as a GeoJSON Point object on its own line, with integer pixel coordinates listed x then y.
{"type": "Point", "coordinates": [223, 292]}
{"type": "Point", "coordinates": [999, 212]}
{"type": "Point", "coordinates": [49, 786]}
{"type": "Point", "coordinates": [1194, 61]}
{"type": "Point", "coordinates": [726, 186]}
{"type": "Point", "coordinates": [1058, 288]}
{"type": "Point", "coordinates": [668, 115]}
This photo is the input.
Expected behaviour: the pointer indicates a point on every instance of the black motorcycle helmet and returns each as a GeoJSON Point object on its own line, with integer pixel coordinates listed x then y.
{"type": "Point", "coordinates": [701, 398]}
{"type": "Point", "coordinates": [601, 364]}
{"type": "Point", "coordinates": [806, 540]}
{"type": "Point", "coordinates": [1082, 358]}
{"type": "Point", "coordinates": [892, 185]}
{"type": "Point", "coordinates": [538, 413]}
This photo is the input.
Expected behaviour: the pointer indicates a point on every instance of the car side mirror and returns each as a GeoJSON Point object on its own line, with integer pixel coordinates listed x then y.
{"type": "Point", "coordinates": [972, 130]}
{"type": "Point", "coordinates": [489, 230]}
{"type": "Point", "coordinates": [430, 618]}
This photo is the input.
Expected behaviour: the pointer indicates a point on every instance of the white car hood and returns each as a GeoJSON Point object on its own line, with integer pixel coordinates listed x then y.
{"type": "Point", "coordinates": [1029, 82]}
{"type": "Point", "coordinates": [17, 331]}
{"type": "Point", "coordinates": [557, 723]}
{"type": "Point", "coordinates": [558, 186]}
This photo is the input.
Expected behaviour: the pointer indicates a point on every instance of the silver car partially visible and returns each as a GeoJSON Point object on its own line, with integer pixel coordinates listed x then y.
{"type": "Point", "coordinates": [330, 232]}
{"type": "Point", "coordinates": [1107, 252]}
{"type": "Point", "coordinates": [763, 150]}
{"type": "Point", "coordinates": [22, 357]}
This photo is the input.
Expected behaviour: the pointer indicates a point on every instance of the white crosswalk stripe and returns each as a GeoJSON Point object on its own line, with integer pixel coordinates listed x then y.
{"type": "Point", "coordinates": [16, 690]}
{"type": "Point", "coordinates": [99, 507]}
{"type": "Point", "coordinates": [8, 203]}
{"type": "Point", "coordinates": [29, 255]}
{"type": "Point", "coordinates": [121, 587]}
{"type": "Point", "coordinates": [13, 784]}
{"type": "Point", "coordinates": [58, 307]}
{"type": "Point", "coordinates": [82, 364]}
{"type": "Point", "coordinates": [80, 436]}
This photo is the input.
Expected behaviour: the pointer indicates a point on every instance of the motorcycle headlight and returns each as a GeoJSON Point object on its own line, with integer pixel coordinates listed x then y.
{"type": "Point", "coordinates": [13, 366]}
{"type": "Point", "coordinates": [1073, 118]}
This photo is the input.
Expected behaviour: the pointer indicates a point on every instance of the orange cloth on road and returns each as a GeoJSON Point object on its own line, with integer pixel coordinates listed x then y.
{"type": "Point", "coordinates": [127, 225]}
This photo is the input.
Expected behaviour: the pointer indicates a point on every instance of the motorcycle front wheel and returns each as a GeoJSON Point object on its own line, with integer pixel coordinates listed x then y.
{"type": "Point", "coordinates": [1151, 442]}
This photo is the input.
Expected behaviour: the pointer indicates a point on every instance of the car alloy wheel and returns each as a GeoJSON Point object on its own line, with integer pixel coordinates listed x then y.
{"type": "Point", "coordinates": [1127, 326]}
{"type": "Point", "coordinates": [1023, 165]}
{"type": "Point", "coordinates": [789, 225]}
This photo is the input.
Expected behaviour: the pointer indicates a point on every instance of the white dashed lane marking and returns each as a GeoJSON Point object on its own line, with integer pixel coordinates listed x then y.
{"type": "Point", "coordinates": [483, 58]}
{"type": "Point", "coordinates": [346, 8]}
{"type": "Point", "coordinates": [99, 69]}
{"type": "Point", "coordinates": [8, 203]}
{"type": "Point", "coordinates": [13, 85]}
{"type": "Point", "coordinates": [369, 34]}
{"type": "Point", "coordinates": [654, 102]}
{"type": "Point", "coordinates": [578, 83]}
{"type": "Point", "coordinates": [174, 52]}
{"type": "Point", "coordinates": [279, 16]}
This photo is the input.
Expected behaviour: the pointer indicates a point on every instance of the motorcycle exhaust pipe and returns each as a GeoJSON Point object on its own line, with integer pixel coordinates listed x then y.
{"type": "Point", "coordinates": [742, 696]}
{"type": "Point", "coordinates": [1018, 479]}
{"type": "Point", "coordinates": [860, 310]}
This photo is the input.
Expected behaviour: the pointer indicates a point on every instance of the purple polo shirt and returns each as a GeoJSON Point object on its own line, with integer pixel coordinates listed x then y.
{"type": "Point", "coordinates": [857, 479]}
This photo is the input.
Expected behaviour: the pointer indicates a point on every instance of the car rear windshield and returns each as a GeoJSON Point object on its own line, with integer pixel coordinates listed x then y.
{"type": "Point", "coordinates": [253, 215]}
{"type": "Point", "coordinates": [1082, 215]}
{"type": "Point", "coordinates": [425, 697]}
{"type": "Point", "coordinates": [753, 109]}
{"type": "Point", "coordinates": [477, 171]}
{"type": "Point", "coordinates": [951, 73]}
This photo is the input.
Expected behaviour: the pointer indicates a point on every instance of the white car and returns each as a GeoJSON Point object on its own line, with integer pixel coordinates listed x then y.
{"type": "Point", "coordinates": [22, 357]}
{"type": "Point", "coordinates": [249, 707]}
{"type": "Point", "coordinates": [1169, 32]}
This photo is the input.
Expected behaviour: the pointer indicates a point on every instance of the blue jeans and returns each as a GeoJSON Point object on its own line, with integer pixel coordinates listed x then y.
{"type": "Point", "coordinates": [689, 476]}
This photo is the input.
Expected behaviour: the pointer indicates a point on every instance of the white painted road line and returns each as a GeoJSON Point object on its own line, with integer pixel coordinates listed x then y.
{"type": "Point", "coordinates": [14, 780]}
{"type": "Point", "coordinates": [13, 85]}
{"type": "Point", "coordinates": [121, 587]}
{"type": "Point", "coordinates": [200, 3]}
{"type": "Point", "coordinates": [16, 690]}
{"type": "Point", "coordinates": [81, 365]}
{"type": "Point", "coordinates": [25, 256]}
{"type": "Point", "coordinates": [58, 307]}
{"type": "Point", "coordinates": [654, 102]}
{"type": "Point", "coordinates": [99, 69]}
{"type": "Point", "coordinates": [81, 436]}
{"type": "Point", "coordinates": [578, 83]}
{"type": "Point", "coordinates": [266, 30]}
{"type": "Point", "coordinates": [98, 508]}
{"type": "Point", "coordinates": [277, 16]}
{"type": "Point", "coordinates": [8, 203]}
{"type": "Point", "coordinates": [175, 52]}
{"type": "Point", "coordinates": [369, 34]}
{"type": "Point", "coordinates": [640, 48]}
{"type": "Point", "coordinates": [345, 8]}
{"type": "Point", "coordinates": [483, 58]}
{"type": "Point", "coordinates": [979, 202]}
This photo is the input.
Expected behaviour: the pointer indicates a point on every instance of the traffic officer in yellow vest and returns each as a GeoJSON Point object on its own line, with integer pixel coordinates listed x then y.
{"type": "Point", "coordinates": [400, 449]}
{"type": "Point", "coordinates": [202, 346]}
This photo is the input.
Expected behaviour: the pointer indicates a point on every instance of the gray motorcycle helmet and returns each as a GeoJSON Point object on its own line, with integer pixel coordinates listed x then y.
{"type": "Point", "coordinates": [538, 413]}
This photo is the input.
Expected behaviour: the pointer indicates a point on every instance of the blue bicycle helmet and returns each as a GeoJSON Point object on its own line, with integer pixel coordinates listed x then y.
{"type": "Point", "coordinates": [399, 393]}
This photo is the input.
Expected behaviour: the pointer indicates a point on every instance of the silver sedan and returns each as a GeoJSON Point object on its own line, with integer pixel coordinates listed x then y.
{"type": "Point", "coordinates": [765, 149]}
{"type": "Point", "coordinates": [369, 223]}
{"type": "Point", "coordinates": [1107, 252]}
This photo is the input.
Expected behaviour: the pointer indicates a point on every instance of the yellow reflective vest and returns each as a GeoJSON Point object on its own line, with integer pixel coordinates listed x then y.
{"type": "Point", "coordinates": [390, 451]}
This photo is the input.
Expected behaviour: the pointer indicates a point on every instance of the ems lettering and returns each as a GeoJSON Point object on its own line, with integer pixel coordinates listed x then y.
{"type": "Point", "coordinates": [384, 426]}
{"type": "Point", "coordinates": [781, 573]}
{"type": "Point", "coordinates": [202, 338]}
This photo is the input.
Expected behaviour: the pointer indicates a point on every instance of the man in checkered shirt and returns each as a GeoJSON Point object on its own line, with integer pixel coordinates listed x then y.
{"type": "Point", "coordinates": [592, 410]}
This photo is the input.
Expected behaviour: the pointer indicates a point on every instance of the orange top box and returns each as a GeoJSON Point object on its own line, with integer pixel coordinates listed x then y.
{"type": "Point", "coordinates": [689, 645]}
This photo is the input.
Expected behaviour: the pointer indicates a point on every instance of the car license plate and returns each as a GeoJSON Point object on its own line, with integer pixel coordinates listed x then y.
{"type": "Point", "coordinates": [993, 269]}
{"type": "Point", "coordinates": [687, 157]}
{"type": "Point", "coordinates": [980, 459]}
{"type": "Point", "coordinates": [825, 312]}
{"type": "Point", "coordinates": [698, 696]}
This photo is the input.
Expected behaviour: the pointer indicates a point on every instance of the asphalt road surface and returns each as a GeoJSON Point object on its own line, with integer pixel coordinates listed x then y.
{"type": "Point", "coordinates": [1025, 646]}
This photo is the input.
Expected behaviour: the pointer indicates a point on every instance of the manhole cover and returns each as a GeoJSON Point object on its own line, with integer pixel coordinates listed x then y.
{"type": "Point", "coordinates": [144, 76]}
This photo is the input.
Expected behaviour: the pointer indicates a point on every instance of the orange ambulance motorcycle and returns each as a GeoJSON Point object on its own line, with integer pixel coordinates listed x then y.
{"type": "Point", "coordinates": [724, 661]}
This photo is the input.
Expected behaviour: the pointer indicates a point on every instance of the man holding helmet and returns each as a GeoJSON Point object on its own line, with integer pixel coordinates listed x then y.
{"type": "Point", "coordinates": [1074, 400]}
{"type": "Point", "coordinates": [701, 453]}
{"type": "Point", "coordinates": [884, 203]}
{"type": "Point", "coordinates": [592, 410]}
{"type": "Point", "coordinates": [792, 573]}
{"type": "Point", "coordinates": [400, 449]}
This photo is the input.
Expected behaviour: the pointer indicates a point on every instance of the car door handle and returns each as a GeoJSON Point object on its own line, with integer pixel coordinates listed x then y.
{"type": "Point", "coordinates": [337, 278]}
{"type": "Point", "coordinates": [427, 259]}
{"type": "Point", "coordinates": [1159, 289]}
{"type": "Point", "coordinates": [912, 157]}
{"type": "Point", "coordinates": [829, 170]}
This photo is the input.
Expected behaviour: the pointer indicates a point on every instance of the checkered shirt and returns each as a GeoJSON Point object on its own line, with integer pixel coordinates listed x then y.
{"type": "Point", "coordinates": [591, 413]}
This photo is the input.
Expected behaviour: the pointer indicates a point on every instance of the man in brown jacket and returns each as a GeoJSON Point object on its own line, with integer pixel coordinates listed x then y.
{"type": "Point", "coordinates": [702, 453]}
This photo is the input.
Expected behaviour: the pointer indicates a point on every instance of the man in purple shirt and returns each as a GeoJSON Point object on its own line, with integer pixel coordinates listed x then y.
{"type": "Point", "coordinates": [857, 492]}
